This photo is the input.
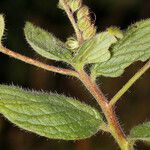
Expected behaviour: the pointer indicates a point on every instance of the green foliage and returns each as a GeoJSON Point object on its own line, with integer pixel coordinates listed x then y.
{"type": "Point", "coordinates": [95, 50]}
{"type": "Point", "coordinates": [50, 115]}
{"type": "Point", "coordinates": [2, 27]}
{"type": "Point", "coordinates": [109, 53]}
{"type": "Point", "coordinates": [46, 44]}
{"type": "Point", "coordinates": [141, 132]}
{"type": "Point", "coordinates": [134, 46]}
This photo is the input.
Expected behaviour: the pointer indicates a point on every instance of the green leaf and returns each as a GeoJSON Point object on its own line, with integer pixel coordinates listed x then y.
{"type": "Point", "coordinates": [46, 44]}
{"type": "Point", "coordinates": [133, 47]}
{"type": "Point", "coordinates": [95, 50]}
{"type": "Point", "coordinates": [2, 27]}
{"type": "Point", "coordinates": [141, 132]}
{"type": "Point", "coordinates": [50, 115]}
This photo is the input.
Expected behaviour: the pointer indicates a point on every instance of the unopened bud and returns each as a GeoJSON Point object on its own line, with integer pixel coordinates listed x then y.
{"type": "Point", "coordinates": [75, 5]}
{"type": "Point", "coordinates": [83, 11]}
{"type": "Point", "coordinates": [90, 32]}
{"type": "Point", "coordinates": [116, 32]}
{"type": "Point", "coordinates": [84, 23]}
{"type": "Point", "coordinates": [72, 43]}
{"type": "Point", "coordinates": [60, 5]}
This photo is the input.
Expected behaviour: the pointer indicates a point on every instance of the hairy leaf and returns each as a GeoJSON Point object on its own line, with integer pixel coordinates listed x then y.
{"type": "Point", "coordinates": [95, 50]}
{"type": "Point", "coordinates": [141, 132]}
{"type": "Point", "coordinates": [50, 115]}
{"type": "Point", "coordinates": [133, 47]}
{"type": "Point", "coordinates": [46, 44]}
{"type": "Point", "coordinates": [2, 27]}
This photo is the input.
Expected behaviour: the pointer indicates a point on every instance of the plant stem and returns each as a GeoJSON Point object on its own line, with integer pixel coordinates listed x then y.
{"type": "Point", "coordinates": [72, 20]}
{"type": "Point", "coordinates": [113, 123]}
{"type": "Point", "coordinates": [37, 63]}
{"type": "Point", "coordinates": [130, 83]}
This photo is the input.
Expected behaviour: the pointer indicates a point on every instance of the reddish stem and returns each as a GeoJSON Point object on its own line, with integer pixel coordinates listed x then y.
{"type": "Point", "coordinates": [38, 63]}
{"type": "Point", "coordinates": [113, 123]}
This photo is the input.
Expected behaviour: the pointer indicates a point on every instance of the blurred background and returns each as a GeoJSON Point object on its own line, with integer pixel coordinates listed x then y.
{"type": "Point", "coordinates": [134, 106]}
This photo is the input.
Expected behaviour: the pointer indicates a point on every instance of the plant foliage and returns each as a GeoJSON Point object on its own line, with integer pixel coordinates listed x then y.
{"type": "Point", "coordinates": [50, 115]}
{"type": "Point", "coordinates": [132, 47]}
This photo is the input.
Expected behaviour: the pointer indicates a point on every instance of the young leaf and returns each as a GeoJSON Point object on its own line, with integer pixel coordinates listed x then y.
{"type": "Point", "coordinates": [95, 50]}
{"type": "Point", "coordinates": [2, 27]}
{"type": "Point", "coordinates": [133, 47]}
{"type": "Point", "coordinates": [50, 115]}
{"type": "Point", "coordinates": [141, 132]}
{"type": "Point", "coordinates": [46, 44]}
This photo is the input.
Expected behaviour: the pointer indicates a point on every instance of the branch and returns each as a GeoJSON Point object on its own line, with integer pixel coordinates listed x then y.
{"type": "Point", "coordinates": [38, 63]}
{"type": "Point", "coordinates": [72, 20]}
{"type": "Point", "coordinates": [113, 123]}
{"type": "Point", "coordinates": [130, 83]}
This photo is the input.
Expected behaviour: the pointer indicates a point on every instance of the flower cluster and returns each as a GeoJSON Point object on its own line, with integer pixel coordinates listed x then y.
{"type": "Point", "coordinates": [83, 21]}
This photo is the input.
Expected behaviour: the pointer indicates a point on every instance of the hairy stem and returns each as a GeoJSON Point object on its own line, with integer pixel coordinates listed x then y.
{"type": "Point", "coordinates": [37, 63]}
{"type": "Point", "coordinates": [130, 83]}
{"type": "Point", "coordinates": [113, 123]}
{"type": "Point", "coordinates": [72, 20]}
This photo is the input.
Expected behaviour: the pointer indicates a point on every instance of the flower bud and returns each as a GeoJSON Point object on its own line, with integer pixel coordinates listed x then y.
{"type": "Point", "coordinates": [83, 11]}
{"type": "Point", "coordinates": [116, 32]}
{"type": "Point", "coordinates": [84, 23]}
{"type": "Point", "coordinates": [89, 33]}
{"type": "Point", "coordinates": [72, 43]}
{"type": "Point", "coordinates": [60, 6]}
{"type": "Point", "coordinates": [75, 5]}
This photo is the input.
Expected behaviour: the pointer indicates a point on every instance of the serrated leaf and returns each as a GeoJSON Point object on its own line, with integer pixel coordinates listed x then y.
{"type": "Point", "coordinates": [46, 44]}
{"type": "Point", "coordinates": [2, 27]}
{"type": "Point", "coordinates": [133, 47]}
{"type": "Point", "coordinates": [95, 50]}
{"type": "Point", "coordinates": [141, 132]}
{"type": "Point", "coordinates": [50, 115]}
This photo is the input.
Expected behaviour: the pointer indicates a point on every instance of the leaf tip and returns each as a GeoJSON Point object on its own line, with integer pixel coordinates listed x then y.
{"type": "Point", "coordinates": [28, 26]}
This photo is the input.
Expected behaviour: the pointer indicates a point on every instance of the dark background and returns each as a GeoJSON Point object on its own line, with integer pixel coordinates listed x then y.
{"type": "Point", "coordinates": [134, 106]}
